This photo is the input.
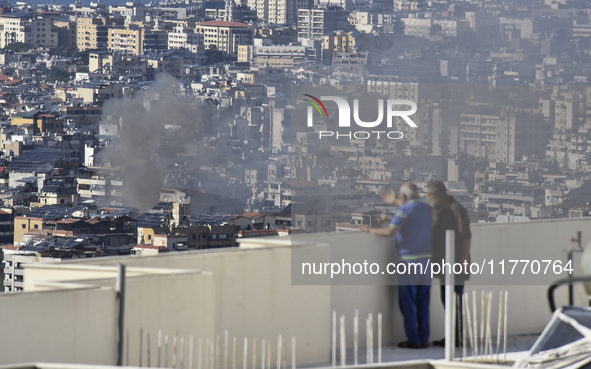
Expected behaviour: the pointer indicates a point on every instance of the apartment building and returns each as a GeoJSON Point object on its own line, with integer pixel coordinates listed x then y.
{"type": "Point", "coordinates": [14, 259]}
{"type": "Point", "coordinates": [225, 36]}
{"type": "Point", "coordinates": [504, 138]}
{"type": "Point", "coordinates": [277, 11]}
{"type": "Point", "coordinates": [22, 28]}
{"type": "Point", "coordinates": [99, 183]}
{"type": "Point", "coordinates": [338, 42]}
{"type": "Point", "coordinates": [39, 121]}
{"type": "Point", "coordinates": [182, 37]}
{"type": "Point", "coordinates": [170, 62]}
{"type": "Point", "coordinates": [96, 93]}
{"type": "Point", "coordinates": [315, 23]}
{"type": "Point", "coordinates": [92, 33]}
{"type": "Point", "coordinates": [117, 63]}
{"type": "Point", "coordinates": [406, 5]}
{"type": "Point", "coordinates": [126, 39]}
{"type": "Point", "coordinates": [66, 32]}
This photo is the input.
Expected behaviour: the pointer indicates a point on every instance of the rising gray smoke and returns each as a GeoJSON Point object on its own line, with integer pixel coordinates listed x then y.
{"type": "Point", "coordinates": [155, 126]}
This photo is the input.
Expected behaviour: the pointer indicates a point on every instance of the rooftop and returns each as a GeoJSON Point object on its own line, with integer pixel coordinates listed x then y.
{"type": "Point", "coordinates": [219, 23]}
{"type": "Point", "coordinates": [254, 291]}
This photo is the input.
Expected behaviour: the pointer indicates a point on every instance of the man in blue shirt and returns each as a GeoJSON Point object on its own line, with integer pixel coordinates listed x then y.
{"type": "Point", "coordinates": [412, 225]}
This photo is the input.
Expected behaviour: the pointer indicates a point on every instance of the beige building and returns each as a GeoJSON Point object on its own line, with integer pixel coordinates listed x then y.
{"type": "Point", "coordinates": [127, 39]}
{"type": "Point", "coordinates": [98, 93]}
{"type": "Point", "coordinates": [338, 42]}
{"type": "Point", "coordinates": [225, 36]}
{"type": "Point", "coordinates": [92, 34]}
{"type": "Point", "coordinates": [245, 53]}
{"type": "Point", "coordinates": [56, 193]}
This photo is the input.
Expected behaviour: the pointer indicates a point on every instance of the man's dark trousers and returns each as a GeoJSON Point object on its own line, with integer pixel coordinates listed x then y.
{"type": "Point", "coordinates": [414, 293]}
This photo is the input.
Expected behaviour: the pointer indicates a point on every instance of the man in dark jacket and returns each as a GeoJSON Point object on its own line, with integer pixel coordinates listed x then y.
{"type": "Point", "coordinates": [448, 214]}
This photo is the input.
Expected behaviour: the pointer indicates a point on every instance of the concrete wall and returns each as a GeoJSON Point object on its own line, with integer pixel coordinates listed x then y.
{"type": "Point", "coordinates": [254, 297]}
{"type": "Point", "coordinates": [71, 326]}
{"type": "Point", "coordinates": [153, 303]}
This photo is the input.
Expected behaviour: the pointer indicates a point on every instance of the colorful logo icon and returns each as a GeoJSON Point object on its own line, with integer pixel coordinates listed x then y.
{"type": "Point", "coordinates": [316, 105]}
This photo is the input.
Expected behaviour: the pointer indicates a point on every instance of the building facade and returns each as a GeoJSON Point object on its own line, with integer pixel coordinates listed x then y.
{"type": "Point", "coordinates": [225, 36]}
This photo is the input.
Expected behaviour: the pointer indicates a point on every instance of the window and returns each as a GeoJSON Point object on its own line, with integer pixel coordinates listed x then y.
{"type": "Point", "coordinates": [24, 226]}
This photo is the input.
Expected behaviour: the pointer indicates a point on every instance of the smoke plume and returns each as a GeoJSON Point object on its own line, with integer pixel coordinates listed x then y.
{"type": "Point", "coordinates": [156, 127]}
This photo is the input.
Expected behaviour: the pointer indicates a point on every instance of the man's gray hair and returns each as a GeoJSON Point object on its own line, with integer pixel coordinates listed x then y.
{"type": "Point", "coordinates": [437, 188]}
{"type": "Point", "coordinates": [410, 190]}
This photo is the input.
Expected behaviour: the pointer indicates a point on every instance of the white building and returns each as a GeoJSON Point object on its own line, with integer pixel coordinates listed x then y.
{"type": "Point", "coordinates": [36, 31]}
{"type": "Point", "coordinates": [278, 11]}
{"type": "Point", "coordinates": [14, 260]}
{"type": "Point", "coordinates": [185, 38]}
{"type": "Point", "coordinates": [225, 36]}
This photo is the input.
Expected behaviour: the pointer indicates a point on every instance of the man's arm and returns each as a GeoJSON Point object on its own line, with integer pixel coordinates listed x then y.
{"type": "Point", "coordinates": [385, 232]}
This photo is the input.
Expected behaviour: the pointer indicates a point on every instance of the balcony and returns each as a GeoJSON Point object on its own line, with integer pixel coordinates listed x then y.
{"type": "Point", "coordinates": [90, 181]}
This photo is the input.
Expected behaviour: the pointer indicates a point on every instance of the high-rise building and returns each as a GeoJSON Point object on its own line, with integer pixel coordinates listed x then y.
{"type": "Point", "coordinates": [315, 23]}
{"type": "Point", "coordinates": [92, 34]}
{"type": "Point", "coordinates": [278, 11]}
{"type": "Point", "coordinates": [504, 138]}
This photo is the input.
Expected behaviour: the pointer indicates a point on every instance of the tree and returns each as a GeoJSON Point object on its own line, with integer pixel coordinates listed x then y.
{"type": "Point", "coordinates": [58, 74]}
{"type": "Point", "coordinates": [17, 47]}
{"type": "Point", "coordinates": [399, 27]}
{"type": "Point", "coordinates": [435, 30]}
